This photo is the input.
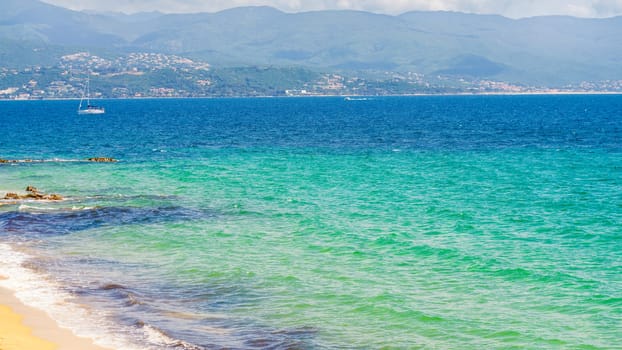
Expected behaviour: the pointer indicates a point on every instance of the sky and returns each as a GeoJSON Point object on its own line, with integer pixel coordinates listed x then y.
{"type": "Point", "coordinates": [508, 8]}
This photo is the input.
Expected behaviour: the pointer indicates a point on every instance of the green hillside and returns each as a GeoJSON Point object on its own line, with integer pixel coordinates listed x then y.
{"type": "Point", "coordinates": [548, 51]}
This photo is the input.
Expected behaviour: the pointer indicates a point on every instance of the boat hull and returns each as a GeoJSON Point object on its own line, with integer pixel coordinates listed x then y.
{"type": "Point", "coordinates": [92, 111]}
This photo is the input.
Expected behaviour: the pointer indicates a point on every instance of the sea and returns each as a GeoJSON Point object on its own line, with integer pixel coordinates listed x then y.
{"type": "Point", "coordinates": [424, 222]}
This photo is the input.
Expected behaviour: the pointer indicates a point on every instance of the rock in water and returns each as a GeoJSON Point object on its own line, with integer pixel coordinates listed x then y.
{"type": "Point", "coordinates": [33, 193]}
{"type": "Point", "coordinates": [11, 195]}
{"type": "Point", "coordinates": [102, 159]}
{"type": "Point", "coordinates": [53, 197]}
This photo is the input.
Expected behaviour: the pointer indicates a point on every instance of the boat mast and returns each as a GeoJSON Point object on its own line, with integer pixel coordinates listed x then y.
{"type": "Point", "coordinates": [88, 89]}
{"type": "Point", "coordinates": [88, 92]}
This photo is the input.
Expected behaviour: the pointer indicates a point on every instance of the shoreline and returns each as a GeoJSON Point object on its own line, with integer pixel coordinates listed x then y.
{"type": "Point", "coordinates": [27, 328]}
{"type": "Point", "coordinates": [492, 93]}
{"type": "Point", "coordinates": [40, 311]}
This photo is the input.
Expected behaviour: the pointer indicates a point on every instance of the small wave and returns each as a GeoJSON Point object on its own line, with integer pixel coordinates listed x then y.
{"type": "Point", "coordinates": [112, 286]}
{"type": "Point", "coordinates": [24, 207]}
{"type": "Point", "coordinates": [74, 208]}
{"type": "Point", "coordinates": [35, 290]}
{"type": "Point", "coordinates": [130, 298]}
{"type": "Point", "coordinates": [161, 338]}
{"type": "Point", "coordinates": [34, 209]}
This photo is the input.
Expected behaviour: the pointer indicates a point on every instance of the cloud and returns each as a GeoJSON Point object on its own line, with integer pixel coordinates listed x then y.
{"type": "Point", "coordinates": [509, 8]}
{"type": "Point", "coordinates": [608, 8]}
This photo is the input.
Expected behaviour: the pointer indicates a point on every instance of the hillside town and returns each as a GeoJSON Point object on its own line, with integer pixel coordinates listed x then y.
{"type": "Point", "coordinates": [137, 75]}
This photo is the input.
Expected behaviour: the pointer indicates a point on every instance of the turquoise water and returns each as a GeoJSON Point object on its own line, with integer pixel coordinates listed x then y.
{"type": "Point", "coordinates": [393, 223]}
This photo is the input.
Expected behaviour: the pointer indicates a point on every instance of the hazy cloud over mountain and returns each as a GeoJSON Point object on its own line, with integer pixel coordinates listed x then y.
{"type": "Point", "coordinates": [509, 8]}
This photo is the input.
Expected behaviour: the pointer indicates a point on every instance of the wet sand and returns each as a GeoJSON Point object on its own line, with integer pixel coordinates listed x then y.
{"type": "Point", "coordinates": [27, 328]}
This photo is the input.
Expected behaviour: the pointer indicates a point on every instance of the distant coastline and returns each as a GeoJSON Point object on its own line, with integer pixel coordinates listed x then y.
{"type": "Point", "coordinates": [140, 75]}
{"type": "Point", "coordinates": [499, 93]}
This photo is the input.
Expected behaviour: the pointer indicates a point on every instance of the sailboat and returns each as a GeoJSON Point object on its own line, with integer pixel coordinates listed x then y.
{"type": "Point", "coordinates": [89, 109]}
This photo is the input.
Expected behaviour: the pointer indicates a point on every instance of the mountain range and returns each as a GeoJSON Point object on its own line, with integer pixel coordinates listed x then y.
{"type": "Point", "coordinates": [552, 50]}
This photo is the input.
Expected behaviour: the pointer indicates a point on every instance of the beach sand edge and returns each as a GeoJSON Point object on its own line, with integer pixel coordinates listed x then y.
{"type": "Point", "coordinates": [33, 329]}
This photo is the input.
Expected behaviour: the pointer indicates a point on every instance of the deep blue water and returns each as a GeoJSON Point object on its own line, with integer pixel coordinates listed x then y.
{"type": "Point", "coordinates": [134, 128]}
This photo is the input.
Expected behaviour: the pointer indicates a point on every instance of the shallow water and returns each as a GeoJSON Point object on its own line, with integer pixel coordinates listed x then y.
{"type": "Point", "coordinates": [319, 223]}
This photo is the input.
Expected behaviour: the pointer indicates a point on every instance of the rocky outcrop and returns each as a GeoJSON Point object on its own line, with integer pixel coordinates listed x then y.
{"type": "Point", "coordinates": [102, 160]}
{"type": "Point", "coordinates": [33, 193]}
{"type": "Point", "coordinates": [92, 159]}
{"type": "Point", "coordinates": [7, 161]}
{"type": "Point", "coordinates": [12, 195]}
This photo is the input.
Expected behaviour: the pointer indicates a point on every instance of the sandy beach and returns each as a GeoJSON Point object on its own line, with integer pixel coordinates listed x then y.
{"type": "Point", "coordinates": [26, 328]}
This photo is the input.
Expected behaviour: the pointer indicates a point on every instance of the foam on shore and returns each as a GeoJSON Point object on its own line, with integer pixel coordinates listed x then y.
{"type": "Point", "coordinates": [34, 290]}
